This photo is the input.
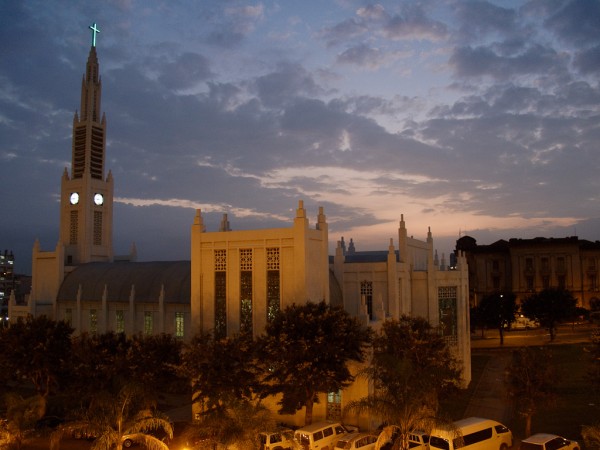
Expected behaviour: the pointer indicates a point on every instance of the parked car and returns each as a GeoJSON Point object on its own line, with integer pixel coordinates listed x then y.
{"type": "Point", "coordinates": [282, 439]}
{"type": "Point", "coordinates": [352, 441]}
{"type": "Point", "coordinates": [129, 441]}
{"type": "Point", "coordinates": [418, 440]}
{"type": "Point", "coordinates": [545, 441]}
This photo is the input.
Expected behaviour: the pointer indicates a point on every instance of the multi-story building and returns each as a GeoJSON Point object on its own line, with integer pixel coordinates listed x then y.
{"type": "Point", "coordinates": [525, 266]}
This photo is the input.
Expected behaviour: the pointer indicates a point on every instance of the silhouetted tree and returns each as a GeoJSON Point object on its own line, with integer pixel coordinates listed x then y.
{"type": "Point", "coordinates": [154, 361]}
{"type": "Point", "coordinates": [221, 371]}
{"type": "Point", "coordinates": [549, 307]}
{"type": "Point", "coordinates": [306, 350]}
{"type": "Point", "coordinates": [100, 364]}
{"type": "Point", "coordinates": [411, 367]}
{"type": "Point", "coordinates": [531, 382]}
{"type": "Point", "coordinates": [498, 311]}
{"type": "Point", "coordinates": [37, 350]}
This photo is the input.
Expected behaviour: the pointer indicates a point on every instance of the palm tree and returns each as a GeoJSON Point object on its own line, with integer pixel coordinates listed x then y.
{"type": "Point", "coordinates": [114, 421]}
{"type": "Point", "coordinates": [236, 426]}
{"type": "Point", "coordinates": [21, 417]}
{"type": "Point", "coordinates": [591, 435]}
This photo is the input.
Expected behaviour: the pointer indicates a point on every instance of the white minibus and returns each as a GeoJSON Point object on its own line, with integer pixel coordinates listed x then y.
{"type": "Point", "coordinates": [473, 433]}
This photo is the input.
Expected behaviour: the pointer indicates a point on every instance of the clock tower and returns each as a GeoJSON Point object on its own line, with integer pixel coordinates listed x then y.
{"type": "Point", "coordinates": [86, 201]}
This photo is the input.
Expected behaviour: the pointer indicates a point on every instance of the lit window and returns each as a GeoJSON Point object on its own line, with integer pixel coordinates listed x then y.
{"type": "Point", "coordinates": [179, 322]}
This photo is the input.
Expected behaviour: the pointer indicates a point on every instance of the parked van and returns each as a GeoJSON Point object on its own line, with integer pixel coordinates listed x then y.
{"type": "Point", "coordinates": [473, 433]}
{"type": "Point", "coordinates": [319, 435]}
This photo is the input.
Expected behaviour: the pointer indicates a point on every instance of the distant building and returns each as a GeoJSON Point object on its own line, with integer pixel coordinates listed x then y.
{"type": "Point", "coordinates": [525, 266]}
{"type": "Point", "coordinates": [236, 279]}
{"type": "Point", "coordinates": [7, 283]}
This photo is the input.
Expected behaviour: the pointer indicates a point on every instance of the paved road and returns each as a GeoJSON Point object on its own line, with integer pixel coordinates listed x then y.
{"type": "Point", "coordinates": [566, 334]}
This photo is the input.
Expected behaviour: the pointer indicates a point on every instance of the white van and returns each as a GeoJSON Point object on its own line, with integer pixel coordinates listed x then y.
{"type": "Point", "coordinates": [473, 433]}
{"type": "Point", "coordinates": [319, 435]}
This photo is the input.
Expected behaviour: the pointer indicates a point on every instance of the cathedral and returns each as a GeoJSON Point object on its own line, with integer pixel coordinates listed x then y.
{"type": "Point", "coordinates": [235, 280]}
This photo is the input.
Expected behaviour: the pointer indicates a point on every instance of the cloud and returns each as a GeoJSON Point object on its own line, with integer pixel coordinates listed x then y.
{"type": "Point", "coordinates": [363, 56]}
{"type": "Point", "coordinates": [484, 61]}
{"type": "Point", "coordinates": [588, 61]}
{"type": "Point", "coordinates": [287, 82]}
{"type": "Point", "coordinates": [480, 19]}
{"type": "Point", "coordinates": [576, 23]}
{"type": "Point", "coordinates": [185, 71]}
{"type": "Point", "coordinates": [413, 24]}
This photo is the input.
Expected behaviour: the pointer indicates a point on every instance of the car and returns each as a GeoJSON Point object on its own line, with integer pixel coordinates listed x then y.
{"type": "Point", "coordinates": [282, 439]}
{"type": "Point", "coordinates": [129, 441]}
{"type": "Point", "coordinates": [546, 441]}
{"type": "Point", "coordinates": [417, 440]}
{"type": "Point", "coordinates": [352, 441]}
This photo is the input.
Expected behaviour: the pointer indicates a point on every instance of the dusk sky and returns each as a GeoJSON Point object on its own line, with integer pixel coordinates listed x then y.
{"type": "Point", "coordinates": [477, 118]}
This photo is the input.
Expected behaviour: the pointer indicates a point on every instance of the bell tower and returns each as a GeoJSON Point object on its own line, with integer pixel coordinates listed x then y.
{"type": "Point", "coordinates": [86, 201]}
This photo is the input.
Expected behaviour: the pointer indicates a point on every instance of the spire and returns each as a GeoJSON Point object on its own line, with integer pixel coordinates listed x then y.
{"type": "Point", "coordinates": [224, 224]}
{"type": "Point", "coordinates": [89, 125]}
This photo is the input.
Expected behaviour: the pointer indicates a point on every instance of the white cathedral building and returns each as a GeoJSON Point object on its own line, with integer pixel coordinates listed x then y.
{"type": "Point", "coordinates": [235, 280]}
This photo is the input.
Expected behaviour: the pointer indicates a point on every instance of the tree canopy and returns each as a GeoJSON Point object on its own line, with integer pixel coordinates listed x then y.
{"type": "Point", "coordinates": [221, 371]}
{"type": "Point", "coordinates": [306, 350]}
{"type": "Point", "coordinates": [498, 311]}
{"type": "Point", "coordinates": [38, 350]}
{"type": "Point", "coordinates": [549, 307]}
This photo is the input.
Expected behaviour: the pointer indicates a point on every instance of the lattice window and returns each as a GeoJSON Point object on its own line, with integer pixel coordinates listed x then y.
{"type": "Point", "coordinates": [273, 283]}
{"type": "Point", "coordinates": [148, 323]}
{"type": "Point", "coordinates": [97, 227]}
{"type": "Point", "coordinates": [179, 323]}
{"type": "Point", "coordinates": [366, 295]}
{"type": "Point", "coordinates": [272, 259]}
{"type": "Point", "coordinates": [220, 305]}
{"type": "Point", "coordinates": [246, 301]}
{"type": "Point", "coordinates": [220, 260]}
{"type": "Point", "coordinates": [74, 226]}
{"type": "Point", "coordinates": [120, 321]}
{"type": "Point", "coordinates": [447, 296]}
{"type": "Point", "coordinates": [93, 321]}
{"type": "Point", "coordinates": [246, 259]}
{"type": "Point", "coordinates": [273, 294]}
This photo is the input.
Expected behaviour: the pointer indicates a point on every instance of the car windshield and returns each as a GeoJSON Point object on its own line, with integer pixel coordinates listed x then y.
{"type": "Point", "coordinates": [343, 444]}
{"type": "Point", "coordinates": [438, 442]}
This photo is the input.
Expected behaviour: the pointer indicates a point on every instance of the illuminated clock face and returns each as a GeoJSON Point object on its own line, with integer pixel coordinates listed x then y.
{"type": "Point", "coordinates": [74, 199]}
{"type": "Point", "coordinates": [98, 199]}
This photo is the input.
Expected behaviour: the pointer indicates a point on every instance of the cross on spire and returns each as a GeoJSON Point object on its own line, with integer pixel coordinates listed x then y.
{"type": "Point", "coordinates": [95, 30]}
